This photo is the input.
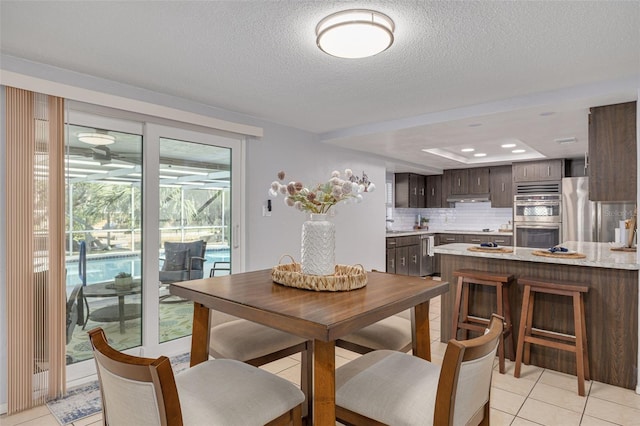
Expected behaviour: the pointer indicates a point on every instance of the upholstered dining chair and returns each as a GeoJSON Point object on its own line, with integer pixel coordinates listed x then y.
{"type": "Point", "coordinates": [387, 387]}
{"type": "Point", "coordinates": [144, 391]}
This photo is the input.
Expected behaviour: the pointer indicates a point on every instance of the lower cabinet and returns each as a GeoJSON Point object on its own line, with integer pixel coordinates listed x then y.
{"type": "Point", "coordinates": [403, 255]}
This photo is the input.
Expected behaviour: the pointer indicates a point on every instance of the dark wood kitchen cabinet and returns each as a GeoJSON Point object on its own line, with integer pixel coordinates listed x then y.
{"type": "Point", "coordinates": [403, 255]}
{"type": "Point", "coordinates": [446, 188]}
{"type": "Point", "coordinates": [459, 182]}
{"type": "Point", "coordinates": [434, 191]}
{"type": "Point", "coordinates": [479, 180]}
{"type": "Point", "coordinates": [533, 171]}
{"type": "Point", "coordinates": [501, 186]}
{"type": "Point", "coordinates": [612, 152]}
{"type": "Point", "coordinates": [410, 190]}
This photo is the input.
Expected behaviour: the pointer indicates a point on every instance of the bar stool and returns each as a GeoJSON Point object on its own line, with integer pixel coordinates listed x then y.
{"type": "Point", "coordinates": [462, 320]}
{"type": "Point", "coordinates": [528, 335]}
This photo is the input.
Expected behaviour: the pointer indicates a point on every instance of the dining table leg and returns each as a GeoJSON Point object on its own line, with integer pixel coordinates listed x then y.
{"type": "Point", "coordinates": [422, 335]}
{"type": "Point", "coordinates": [324, 383]}
{"type": "Point", "coordinates": [200, 334]}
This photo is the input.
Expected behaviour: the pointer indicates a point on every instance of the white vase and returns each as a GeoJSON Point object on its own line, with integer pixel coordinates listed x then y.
{"type": "Point", "coordinates": [318, 246]}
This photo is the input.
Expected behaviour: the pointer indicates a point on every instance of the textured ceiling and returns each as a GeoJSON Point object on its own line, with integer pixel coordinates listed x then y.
{"type": "Point", "coordinates": [259, 58]}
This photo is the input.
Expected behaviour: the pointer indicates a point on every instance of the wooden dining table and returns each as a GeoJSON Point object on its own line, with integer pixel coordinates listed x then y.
{"type": "Point", "coordinates": [319, 316]}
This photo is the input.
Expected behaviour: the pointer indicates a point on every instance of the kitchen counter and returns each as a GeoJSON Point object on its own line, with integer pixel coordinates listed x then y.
{"type": "Point", "coordinates": [599, 255]}
{"type": "Point", "coordinates": [445, 231]}
{"type": "Point", "coordinates": [611, 304]}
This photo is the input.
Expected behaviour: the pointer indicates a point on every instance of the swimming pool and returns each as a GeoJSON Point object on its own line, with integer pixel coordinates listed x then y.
{"type": "Point", "coordinates": [104, 267]}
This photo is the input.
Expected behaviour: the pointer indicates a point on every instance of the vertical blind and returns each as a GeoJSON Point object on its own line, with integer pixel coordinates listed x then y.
{"type": "Point", "coordinates": [35, 275]}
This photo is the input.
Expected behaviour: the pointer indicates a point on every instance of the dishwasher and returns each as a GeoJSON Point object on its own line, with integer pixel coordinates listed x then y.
{"type": "Point", "coordinates": [426, 255]}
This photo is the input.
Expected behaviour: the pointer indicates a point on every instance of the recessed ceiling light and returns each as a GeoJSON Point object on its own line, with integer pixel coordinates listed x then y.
{"type": "Point", "coordinates": [480, 154]}
{"type": "Point", "coordinates": [355, 33]}
{"type": "Point", "coordinates": [518, 151]}
{"type": "Point", "coordinates": [546, 113]}
{"type": "Point", "coordinates": [475, 124]}
{"type": "Point", "coordinates": [508, 145]}
{"type": "Point", "coordinates": [467, 150]}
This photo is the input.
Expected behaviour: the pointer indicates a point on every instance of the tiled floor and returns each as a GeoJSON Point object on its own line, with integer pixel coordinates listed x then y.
{"type": "Point", "coordinates": [538, 397]}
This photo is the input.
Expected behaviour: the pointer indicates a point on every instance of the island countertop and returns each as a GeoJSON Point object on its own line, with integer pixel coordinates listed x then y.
{"type": "Point", "coordinates": [598, 255]}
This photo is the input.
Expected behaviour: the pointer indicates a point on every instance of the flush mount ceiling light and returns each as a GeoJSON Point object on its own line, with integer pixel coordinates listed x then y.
{"type": "Point", "coordinates": [355, 33]}
{"type": "Point", "coordinates": [96, 138]}
{"type": "Point", "coordinates": [467, 150]}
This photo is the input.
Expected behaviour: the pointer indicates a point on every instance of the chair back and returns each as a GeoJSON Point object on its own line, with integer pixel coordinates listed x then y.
{"type": "Point", "coordinates": [134, 390]}
{"type": "Point", "coordinates": [465, 379]}
{"type": "Point", "coordinates": [185, 256]}
{"type": "Point", "coordinates": [75, 311]}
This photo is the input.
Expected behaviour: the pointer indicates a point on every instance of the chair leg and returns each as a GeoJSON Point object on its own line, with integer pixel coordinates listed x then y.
{"type": "Point", "coordinates": [527, 332]}
{"type": "Point", "coordinates": [577, 321]}
{"type": "Point", "coordinates": [465, 308]}
{"type": "Point", "coordinates": [499, 301]}
{"type": "Point", "coordinates": [521, 330]}
{"type": "Point", "coordinates": [585, 346]}
{"type": "Point", "coordinates": [509, 323]}
{"type": "Point", "coordinates": [456, 310]}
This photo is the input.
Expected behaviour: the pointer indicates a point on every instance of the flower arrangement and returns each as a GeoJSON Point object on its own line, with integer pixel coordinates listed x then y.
{"type": "Point", "coordinates": [322, 197]}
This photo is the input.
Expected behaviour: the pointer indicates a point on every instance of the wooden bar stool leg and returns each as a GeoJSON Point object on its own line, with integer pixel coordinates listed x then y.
{"type": "Point", "coordinates": [465, 308]}
{"type": "Point", "coordinates": [509, 323]}
{"type": "Point", "coordinates": [499, 295]}
{"type": "Point", "coordinates": [521, 330]}
{"type": "Point", "coordinates": [577, 321]}
{"type": "Point", "coordinates": [456, 310]}
{"type": "Point", "coordinates": [527, 332]}
{"type": "Point", "coordinates": [587, 375]}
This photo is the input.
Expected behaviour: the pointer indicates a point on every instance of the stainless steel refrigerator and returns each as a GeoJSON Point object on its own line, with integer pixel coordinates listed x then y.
{"type": "Point", "coordinates": [584, 220]}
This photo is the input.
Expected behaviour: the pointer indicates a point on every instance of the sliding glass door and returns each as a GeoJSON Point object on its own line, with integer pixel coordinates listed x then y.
{"type": "Point", "coordinates": [148, 205]}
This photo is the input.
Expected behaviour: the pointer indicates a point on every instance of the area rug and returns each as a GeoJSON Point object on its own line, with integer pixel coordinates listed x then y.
{"type": "Point", "coordinates": [84, 401]}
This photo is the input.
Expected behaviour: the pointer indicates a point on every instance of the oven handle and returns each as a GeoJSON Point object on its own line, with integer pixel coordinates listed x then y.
{"type": "Point", "coordinates": [536, 225]}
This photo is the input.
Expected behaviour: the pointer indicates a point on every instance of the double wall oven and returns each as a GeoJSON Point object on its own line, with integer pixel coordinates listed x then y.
{"type": "Point", "coordinates": [537, 220]}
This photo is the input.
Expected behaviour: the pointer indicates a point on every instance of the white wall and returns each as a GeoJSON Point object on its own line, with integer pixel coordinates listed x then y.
{"type": "Point", "coordinates": [359, 227]}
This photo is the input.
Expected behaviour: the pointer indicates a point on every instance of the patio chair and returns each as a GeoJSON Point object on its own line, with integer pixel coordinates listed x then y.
{"type": "Point", "coordinates": [145, 391]}
{"type": "Point", "coordinates": [182, 261]}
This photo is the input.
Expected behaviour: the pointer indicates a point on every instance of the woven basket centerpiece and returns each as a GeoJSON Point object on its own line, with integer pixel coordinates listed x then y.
{"type": "Point", "coordinates": [345, 277]}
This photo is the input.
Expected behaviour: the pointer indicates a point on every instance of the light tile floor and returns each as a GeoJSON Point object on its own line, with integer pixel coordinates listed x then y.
{"type": "Point", "coordinates": [538, 397]}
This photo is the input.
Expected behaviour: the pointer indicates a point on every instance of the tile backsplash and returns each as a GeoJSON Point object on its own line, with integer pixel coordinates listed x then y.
{"type": "Point", "coordinates": [465, 216]}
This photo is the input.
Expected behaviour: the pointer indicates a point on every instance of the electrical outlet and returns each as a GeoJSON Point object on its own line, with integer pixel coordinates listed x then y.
{"type": "Point", "coordinates": [265, 212]}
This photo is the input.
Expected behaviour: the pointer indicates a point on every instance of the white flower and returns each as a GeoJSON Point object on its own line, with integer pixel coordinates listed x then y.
{"type": "Point", "coordinates": [335, 173]}
{"type": "Point", "coordinates": [348, 173]}
{"type": "Point", "coordinates": [289, 201]}
{"type": "Point", "coordinates": [347, 187]}
{"type": "Point", "coordinates": [283, 189]}
{"type": "Point", "coordinates": [371, 187]}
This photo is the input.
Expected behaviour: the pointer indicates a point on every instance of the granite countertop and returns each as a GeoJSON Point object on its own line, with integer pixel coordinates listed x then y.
{"type": "Point", "coordinates": [446, 231]}
{"type": "Point", "coordinates": [598, 255]}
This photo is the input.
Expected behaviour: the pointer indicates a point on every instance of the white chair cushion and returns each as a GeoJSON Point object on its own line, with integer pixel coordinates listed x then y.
{"type": "Point", "coordinates": [244, 340]}
{"type": "Point", "coordinates": [392, 333]}
{"type": "Point", "coordinates": [388, 386]}
{"type": "Point", "coordinates": [229, 392]}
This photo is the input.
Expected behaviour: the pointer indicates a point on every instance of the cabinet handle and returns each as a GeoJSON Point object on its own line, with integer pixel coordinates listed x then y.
{"type": "Point", "coordinates": [392, 263]}
{"type": "Point", "coordinates": [415, 259]}
{"type": "Point", "coordinates": [458, 181]}
{"type": "Point", "coordinates": [478, 181]}
{"type": "Point", "coordinates": [548, 171]}
{"type": "Point", "coordinates": [496, 240]}
{"type": "Point", "coordinates": [586, 162]}
{"type": "Point", "coordinates": [402, 261]}
{"type": "Point", "coordinates": [502, 186]}
{"type": "Point", "coordinates": [415, 191]}
{"type": "Point", "coordinates": [433, 192]}
{"type": "Point", "coordinates": [422, 192]}
{"type": "Point", "coordinates": [525, 172]}
{"type": "Point", "coordinates": [476, 240]}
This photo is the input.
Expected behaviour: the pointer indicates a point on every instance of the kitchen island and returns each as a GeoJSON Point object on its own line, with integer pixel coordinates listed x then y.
{"type": "Point", "coordinates": [611, 304]}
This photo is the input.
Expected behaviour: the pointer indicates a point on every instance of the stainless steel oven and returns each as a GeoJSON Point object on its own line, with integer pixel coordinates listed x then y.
{"type": "Point", "coordinates": [546, 208]}
{"type": "Point", "coordinates": [537, 220]}
{"type": "Point", "coordinates": [537, 235]}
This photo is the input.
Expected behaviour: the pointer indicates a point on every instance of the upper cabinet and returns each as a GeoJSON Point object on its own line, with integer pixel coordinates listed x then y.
{"type": "Point", "coordinates": [459, 182]}
{"type": "Point", "coordinates": [479, 180]}
{"type": "Point", "coordinates": [533, 171]}
{"type": "Point", "coordinates": [410, 190]}
{"type": "Point", "coordinates": [612, 152]}
{"type": "Point", "coordinates": [434, 191]}
{"type": "Point", "coordinates": [501, 186]}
